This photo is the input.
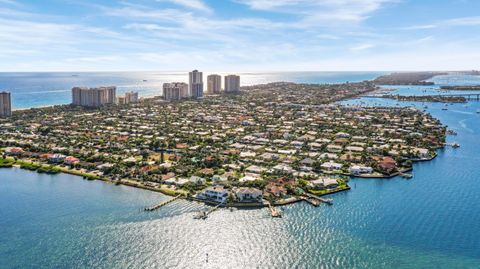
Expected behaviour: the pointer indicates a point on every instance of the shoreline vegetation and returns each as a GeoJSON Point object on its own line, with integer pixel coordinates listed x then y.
{"type": "Point", "coordinates": [270, 144]}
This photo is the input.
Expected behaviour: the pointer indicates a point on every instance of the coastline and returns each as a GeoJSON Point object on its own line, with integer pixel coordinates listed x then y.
{"type": "Point", "coordinates": [171, 193]}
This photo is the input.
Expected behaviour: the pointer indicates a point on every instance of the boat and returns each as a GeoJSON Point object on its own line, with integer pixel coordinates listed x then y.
{"type": "Point", "coordinates": [455, 145]}
{"type": "Point", "coordinates": [145, 80]}
{"type": "Point", "coordinates": [201, 215]}
{"type": "Point", "coordinates": [478, 111]}
{"type": "Point", "coordinates": [451, 132]}
{"type": "Point", "coordinates": [444, 108]}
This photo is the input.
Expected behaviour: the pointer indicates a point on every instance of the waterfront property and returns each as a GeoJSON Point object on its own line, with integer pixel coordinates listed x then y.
{"type": "Point", "coordinates": [278, 139]}
{"type": "Point", "coordinates": [94, 97]}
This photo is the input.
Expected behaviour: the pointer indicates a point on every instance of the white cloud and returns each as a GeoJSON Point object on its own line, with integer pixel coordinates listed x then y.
{"type": "Point", "coordinates": [193, 4]}
{"type": "Point", "coordinates": [326, 11]}
{"type": "Point", "coordinates": [463, 21]}
{"type": "Point", "coordinates": [362, 47]}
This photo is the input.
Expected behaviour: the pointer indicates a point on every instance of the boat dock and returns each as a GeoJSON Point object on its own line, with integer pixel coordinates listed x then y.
{"type": "Point", "coordinates": [204, 214]}
{"type": "Point", "coordinates": [276, 213]}
{"type": "Point", "coordinates": [318, 199]}
{"type": "Point", "coordinates": [155, 207]}
{"type": "Point", "coordinates": [311, 201]}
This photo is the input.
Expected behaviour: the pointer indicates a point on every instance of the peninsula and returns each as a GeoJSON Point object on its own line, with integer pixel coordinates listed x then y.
{"type": "Point", "coordinates": [269, 144]}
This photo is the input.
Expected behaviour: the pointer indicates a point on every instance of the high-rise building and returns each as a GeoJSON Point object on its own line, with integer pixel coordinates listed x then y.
{"type": "Point", "coordinates": [214, 84]}
{"type": "Point", "coordinates": [94, 97]}
{"type": "Point", "coordinates": [232, 83]}
{"type": "Point", "coordinates": [131, 97]}
{"type": "Point", "coordinates": [5, 104]}
{"type": "Point", "coordinates": [121, 100]}
{"type": "Point", "coordinates": [196, 84]}
{"type": "Point", "coordinates": [175, 91]}
{"type": "Point", "coordinates": [111, 94]}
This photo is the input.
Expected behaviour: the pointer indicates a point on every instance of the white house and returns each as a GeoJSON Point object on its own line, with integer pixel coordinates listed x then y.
{"type": "Point", "coordinates": [197, 180]}
{"type": "Point", "coordinates": [330, 166]}
{"type": "Point", "coordinates": [216, 193]}
{"type": "Point", "coordinates": [421, 153]}
{"type": "Point", "coordinates": [323, 183]}
{"type": "Point", "coordinates": [255, 169]}
{"type": "Point", "coordinates": [248, 194]}
{"type": "Point", "coordinates": [357, 170]}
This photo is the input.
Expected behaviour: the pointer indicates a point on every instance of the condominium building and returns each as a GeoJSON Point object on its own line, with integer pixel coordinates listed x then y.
{"type": "Point", "coordinates": [232, 83]}
{"type": "Point", "coordinates": [5, 104]}
{"type": "Point", "coordinates": [196, 84]}
{"type": "Point", "coordinates": [214, 84]}
{"type": "Point", "coordinates": [131, 97]}
{"type": "Point", "coordinates": [121, 100]}
{"type": "Point", "coordinates": [94, 97]}
{"type": "Point", "coordinates": [175, 91]}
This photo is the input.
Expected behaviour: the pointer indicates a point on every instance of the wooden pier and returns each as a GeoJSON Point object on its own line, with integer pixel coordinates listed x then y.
{"type": "Point", "coordinates": [204, 214]}
{"type": "Point", "coordinates": [311, 201]}
{"type": "Point", "coordinates": [319, 199]}
{"type": "Point", "coordinates": [155, 207]}
{"type": "Point", "coordinates": [274, 211]}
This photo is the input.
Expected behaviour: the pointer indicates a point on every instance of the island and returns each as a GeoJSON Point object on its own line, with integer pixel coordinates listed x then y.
{"type": "Point", "coordinates": [408, 78]}
{"type": "Point", "coordinates": [270, 144]}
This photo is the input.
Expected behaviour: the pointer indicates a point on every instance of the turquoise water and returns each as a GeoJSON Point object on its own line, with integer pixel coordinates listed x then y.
{"type": "Point", "coordinates": [430, 221]}
{"type": "Point", "coordinates": [43, 89]}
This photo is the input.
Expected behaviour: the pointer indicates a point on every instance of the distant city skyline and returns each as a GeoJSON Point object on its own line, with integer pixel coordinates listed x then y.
{"type": "Point", "coordinates": [239, 35]}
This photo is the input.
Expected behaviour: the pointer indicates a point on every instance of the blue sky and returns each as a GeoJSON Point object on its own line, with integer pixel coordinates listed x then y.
{"type": "Point", "coordinates": [239, 35]}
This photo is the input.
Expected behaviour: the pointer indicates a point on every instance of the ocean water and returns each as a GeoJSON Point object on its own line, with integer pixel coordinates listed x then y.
{"type": "Point", "coordinates": [429, 221]}
{"type": "Point", "coordinates": [44, 89]}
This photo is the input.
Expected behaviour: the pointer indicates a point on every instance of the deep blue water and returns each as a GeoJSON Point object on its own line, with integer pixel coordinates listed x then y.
{"type": "Point", "coordinates": [43, 89]}
{"type": "Point", "coordinates": [430, 221]}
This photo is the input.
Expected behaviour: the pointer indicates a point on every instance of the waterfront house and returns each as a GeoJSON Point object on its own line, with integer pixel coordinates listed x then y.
{"type": "Point", "coordinates": [216, 193]}
{"type": "Point", "coordinates": [386, 165]}
{"type": "Point", "coordinates": [70, 160]}
{"type": "Point", "coordinates": [421, 153]}
{"type": "Point", "coordinates": [14, 151]}
{"type": "Point", "coordinates": [248, 195]}
{"type": "Point", "coordinates": [358, 169]}
{"type": "Point", "coordinates": [56, 158]}
{"type": "Point", "coordinates": [176, 181]}
{"type": "Point", "coordinates": [323, 183]}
